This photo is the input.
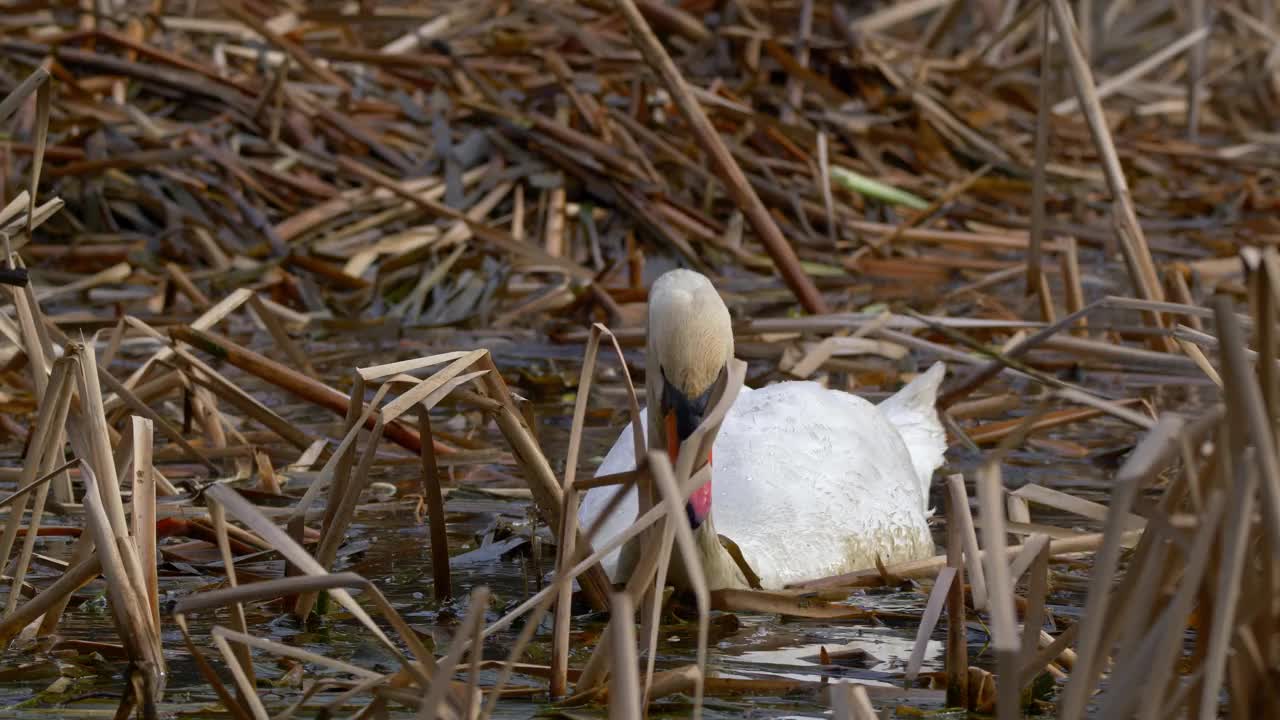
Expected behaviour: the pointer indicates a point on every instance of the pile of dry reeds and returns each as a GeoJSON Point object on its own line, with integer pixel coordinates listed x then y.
{"type": "Point", "coordinates": [1181, 598]}
{"type": "Point", "coordinates": [198, 200]}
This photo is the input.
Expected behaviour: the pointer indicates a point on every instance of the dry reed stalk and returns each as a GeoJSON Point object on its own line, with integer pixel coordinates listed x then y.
{"type": "Point", "coordinates": [440, 677]}
{"type": "Point", "coordinates": [961, 516]}
{"type": "Point", "coordinates": [296, 653]}
{"type": "Point", "coordinates": [121, 564]}
{"type": "Point", "coordinates": [1018, 512]}
{"type": "Point", "coordinates": [653, 595]}
{"type": "Point", "coordinates": [23, 561]}
{"type": "Point", "coordinates": [569, 522]}
{"type": "Point", "coordinates": [183, 282]}
{"type": "Point", "coordinates": [984, 407]}
{"type": "Point", "coordinates": [346, 494]}
{"type": "Point", "coordinates": [1151, 574]}
{"type": "Point", "coordinates": [207, 320]}
{"type": "Point", "coordinates": [992, 368]}
{"type": "Point", "coordinates": [143, 485]}
{"type": "Point", "coordinates": [624, 683]}
{"type": "Point", "coordinates": [1088, 348]}
{"type": "Point", "coordinates": [441, 586]}
{"type": "Point", "coordinates": [1051, 650]}
{"type": "Point", "coordinates": [50, 602]}
{"type": "Point", "coordinates": [1047, 311]}
{"type": "Point", "coordinates": [824, 175]}
{"type": "Point", "coordinates": [1137, 254]}
{"type": "Point", "coordinates": [932, 612]}
{"type": "Point", "coordinates": [204, 410]}
{"type": "Point", "coordinates": [243, 682]}
{"type": "Point", "coordinates": [999, 588]}
{"type": "Point", "coordinates": [336, 584]}
{"type": "Point", "coordinates": [1137, 70]}
{"type": "Point", "coordinates": [1180, 293]}
{"type": "Point", "coordinates": [1249, 414]}
{"type": "Point", "coordinates": [253, 518]}
{"type": "Point", "coordinates": [36, 344]}
{"type": "Point", "coordinates": [331, 475]}
{"type": "Point", "coordinates": [649, 572]}
{"type": "Point", "coordinates": [281, 336]}
{"type": "Point", "coordinates": [643, 574]}
{"type": "Point", "coordinates": [242, 654]}
{"type": "Point", "coordinates": [147, 392]}
{"type": "Point", "coordinates": [798, 604]}
{"type": "Point", "coordinates": [333, 534]}
{"type": "Point", "coordinates": [1155, 658]}
{"type": "Point", "coordinates": [44, 105]}
{"type": "Point", "coordinates": [473, 697]}
{"type": "Point", "coordinates": [1033, 618]}
{"type": "Point", "coordinates": [208, 673]}
{"type": "Point", "coordinates": [1035, 276]}
{"type": "Point", "coordinates": [85, 566]}
{"type": "Point", "coordinates": [957, 653]}
{"type": "Point", "coordinates": [727, 168]}
{"type": "Point", "coordinates": [541, 599]}
{"type": "Point", "coordinates": [268, 481]}
{"type": "Point", "coordinates": [16, 97]}
{"type": "Point", "coordinates": [538, 473]}
{"type": "Point", "coordinates": [831, 347]}
{"type": "Point", "coordinates": [1090, 647]}
{"type": "Point", "coordinates": [130, 611]}
{"type": "Point", "coordinates": [1066, 502]}
{"type": "Point", "coordinates": [147, 412]}
{"type": "Point", "coordinates": [517, 649]}
{"type": "Point", "coordinates": [1131, 591]}
{"type": "Point", "coordinates": [1264, 276]}
{"type": "Point", "coordinates": [200, 373]}
{"type": "Point", "coordinates": [344, 460]}
{"type": "Point", "coordinates": [675, 498]}
{"type": "Point", "coordinates": [559, 679]}
{"type": "Point", "coordinates": [1070, 263]}
{"type": "Point", "coordinates": [42, 453]}
{"type": "Point", "coordinates": [1001, 431]}
{"type": "Point", "coordinates": [928, 567]}
{"type": "Point", "coordinates": [290, 380]}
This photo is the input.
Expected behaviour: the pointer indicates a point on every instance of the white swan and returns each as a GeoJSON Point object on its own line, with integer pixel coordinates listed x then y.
{"type": "Point", "coordinates": [808, 482]}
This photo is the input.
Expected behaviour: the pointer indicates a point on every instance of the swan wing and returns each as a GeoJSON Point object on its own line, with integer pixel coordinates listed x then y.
{"type": "Point", "coordinates": [811, 482]}
{"type": "Point", "coordinates": [913, 411]}
{"type": "Point", "coordinates": [808, 482]}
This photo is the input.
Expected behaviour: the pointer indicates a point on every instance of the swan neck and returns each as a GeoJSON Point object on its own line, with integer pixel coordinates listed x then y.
{"type": "Point", "coordinates": [718, 566]}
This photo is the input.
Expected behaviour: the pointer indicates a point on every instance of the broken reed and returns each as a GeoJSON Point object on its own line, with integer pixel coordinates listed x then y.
{"type": "Point", "coordinates": [344, 475]}
{"type": "Point", "coordinates": [1203, 558]}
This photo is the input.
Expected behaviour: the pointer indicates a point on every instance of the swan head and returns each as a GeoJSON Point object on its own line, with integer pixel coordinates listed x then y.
{"type": "Point", "coordinates": [690, 344]}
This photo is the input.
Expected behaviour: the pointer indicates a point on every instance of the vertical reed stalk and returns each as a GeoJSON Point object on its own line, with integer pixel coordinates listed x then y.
{"type": "Point", "coordinates": [432, 493]}
{"type": "Point", "coordinates": [957, 653]}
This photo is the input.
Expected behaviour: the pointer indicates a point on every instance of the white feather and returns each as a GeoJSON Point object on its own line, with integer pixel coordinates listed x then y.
{"type": "Point", "coordinates": [811, 482]}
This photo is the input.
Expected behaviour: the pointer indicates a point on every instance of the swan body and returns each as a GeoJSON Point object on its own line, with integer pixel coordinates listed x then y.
{"type": "Point", "coordinates": [810, 482]}
{"type": "Point", "coordinates": [806, 481]}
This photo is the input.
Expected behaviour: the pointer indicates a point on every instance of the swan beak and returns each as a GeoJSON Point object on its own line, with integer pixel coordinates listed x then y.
{"type": "Point", "coordinates": [681, 419]}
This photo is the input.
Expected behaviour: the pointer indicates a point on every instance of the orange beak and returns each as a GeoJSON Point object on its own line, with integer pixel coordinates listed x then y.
{"type": "Point", "coordinates": [674, 440]}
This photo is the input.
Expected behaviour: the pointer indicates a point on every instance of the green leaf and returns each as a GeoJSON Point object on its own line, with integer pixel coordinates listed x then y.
{"type": "Point", "coordinates": [876, 189]}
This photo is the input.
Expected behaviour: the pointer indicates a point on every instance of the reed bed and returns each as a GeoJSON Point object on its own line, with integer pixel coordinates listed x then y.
{"type": "Point", "coordinates": [257, 257]}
